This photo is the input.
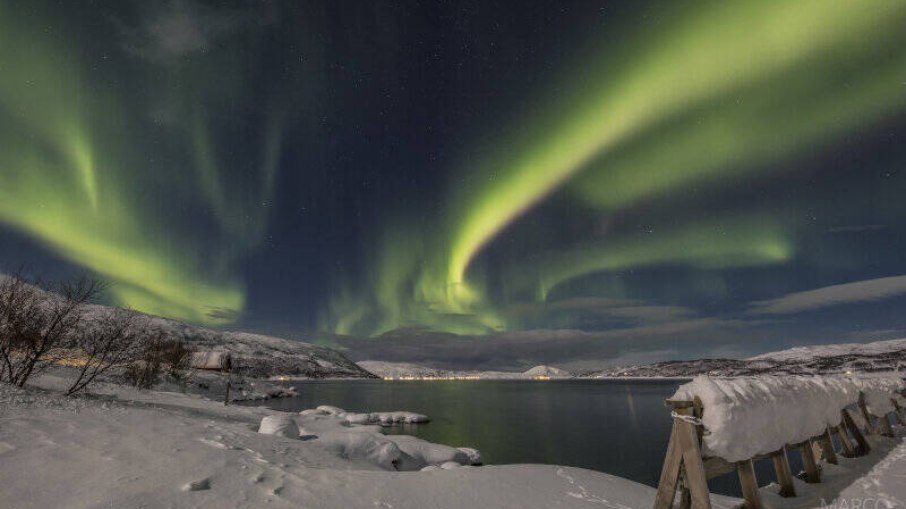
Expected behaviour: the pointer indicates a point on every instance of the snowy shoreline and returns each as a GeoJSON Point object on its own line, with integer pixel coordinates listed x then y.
{"type": "Point", "coordinates": [120, 447]}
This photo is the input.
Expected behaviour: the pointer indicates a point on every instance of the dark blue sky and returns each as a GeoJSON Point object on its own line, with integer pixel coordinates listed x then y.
{"type": "Point", "coordinates": [487, 184]}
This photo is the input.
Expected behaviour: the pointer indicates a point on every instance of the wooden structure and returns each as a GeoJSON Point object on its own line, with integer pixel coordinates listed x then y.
{"type": "Point", "coordinates": [687, 471]}
{"type": "Point", "coordinates": [211, 360]}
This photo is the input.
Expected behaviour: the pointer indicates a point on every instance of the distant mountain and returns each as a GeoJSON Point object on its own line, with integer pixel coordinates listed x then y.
{"type": "Point", "coordinates": [823, 359]}
{"type": "Point", "coordinates": [408, 370]}
{"type": "Point", "coordinates": [402, 370]}
{"type": "Point", "coordinates": [548, 371]}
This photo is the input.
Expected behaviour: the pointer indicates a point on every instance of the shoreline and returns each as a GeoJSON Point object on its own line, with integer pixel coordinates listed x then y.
{"type": "Point", "coordinates": [122, 447]}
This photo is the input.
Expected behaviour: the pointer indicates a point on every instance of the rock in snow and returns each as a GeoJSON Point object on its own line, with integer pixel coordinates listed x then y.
{"type": "Point", "coordinates": [383, 418]}
{"type": "Point", "coordinates": [349, 435]}
{"type": "Point", "coordinates": [279, 425]}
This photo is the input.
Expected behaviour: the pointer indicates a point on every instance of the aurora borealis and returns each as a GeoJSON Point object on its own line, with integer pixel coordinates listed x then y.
{"type": "Point", "coordinates": [467, 183]}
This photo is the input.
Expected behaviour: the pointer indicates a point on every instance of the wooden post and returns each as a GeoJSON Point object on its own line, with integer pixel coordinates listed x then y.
{"type": "Point", "coordinates": [685, 498]}
{"type": "Point", "coordinates": [812, 473]}
{"type": "Point", "coordinates": [869, 428]}
{"type": "Point", "coordinates": [896, 412]}
{"type": "Point", "coordinates": [684, 459]}
{"type": "Point", "coordinates": [857, 434]}
{"type": "Point", "coordinates": [884, 426]}
{"type": "Point", "coordinates": [694, 467]}
{"type": "Point", "coordinates": [670, 472]}
{"type": "Point", "coordinates": [826, 446]}
{"type": "Point", "coordinates": [848, 449]}
{"type": "Point", "coordinates": [749, 484]}
{"type": "Point", "coordinates": [784, 477]}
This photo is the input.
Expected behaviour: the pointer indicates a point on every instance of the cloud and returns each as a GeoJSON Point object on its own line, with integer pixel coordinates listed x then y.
{"type": "Point", "coordinates": [856, 228]}
{"type": "Point", "coordinates": [183, 27]}
{"type": "Point", "coordinates": [625, 311]}
{"type": "Point", "coordinates": [859, 291]}
{"type": "Point", "coordinates": [522, 349]}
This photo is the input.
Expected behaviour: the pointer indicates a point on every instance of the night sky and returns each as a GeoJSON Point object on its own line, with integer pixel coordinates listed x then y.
{"type": "Point", "coordinates": [476, 184]}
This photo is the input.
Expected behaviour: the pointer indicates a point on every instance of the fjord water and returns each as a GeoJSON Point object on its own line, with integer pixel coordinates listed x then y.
{"type": "Point", "coordinates": [613, 426]}
{"type": "Point", "coordinates": [620, 427]}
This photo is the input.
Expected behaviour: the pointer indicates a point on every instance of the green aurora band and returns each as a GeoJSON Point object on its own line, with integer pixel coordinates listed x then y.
{"type": "Point", "coordinates": [72, 177]}
{"type": "Point", "coordinates": [711, 53]}
{"type": "Point", "coordinates": [709, 99]}
{"type": "Point", "coordinates": [744, 242]}
{"type": "Point", "coordinates": [714, 96]}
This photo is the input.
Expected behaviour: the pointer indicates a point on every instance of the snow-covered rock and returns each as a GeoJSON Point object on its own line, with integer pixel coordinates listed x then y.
{"type": "Point", "coordinates": [426, 453]}
{"type": "Point", "coordinates": [474, 455]}
{"type": "Point", "coordinates": [279, 425]}
{"type": "Point", "coordinates": [372, 447]}
{"type": "Point", "coordinates": [383, 418]}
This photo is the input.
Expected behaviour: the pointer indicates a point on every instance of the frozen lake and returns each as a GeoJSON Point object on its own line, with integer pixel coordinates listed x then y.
{"type": "Point", "coordinates": [613, 426]}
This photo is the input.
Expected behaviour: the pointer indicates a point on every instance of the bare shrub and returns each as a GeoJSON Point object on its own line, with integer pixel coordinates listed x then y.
{"type": "Point", "coordinates": [38, 326]}
{"type": "Point", "coordinates": [110, 341]}
{"type": "Point", "coordinates": [177, 358]}
{"type": "Point", "coordinates": [145, 371]}
{"type": "Point", "coordinates": [159, 356]}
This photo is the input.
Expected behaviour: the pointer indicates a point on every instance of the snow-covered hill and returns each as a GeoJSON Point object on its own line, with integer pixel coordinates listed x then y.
{"type": "Point", "coordinates": [548, 371]}
{"type": "Point", "coordinates": [260, 355]}
{"type": "Point", "coordinates": [403, 370]}
{"type": "Point", "coordinates": [822, 359]}
{"type": "Point", "coordinates": [255, 354]}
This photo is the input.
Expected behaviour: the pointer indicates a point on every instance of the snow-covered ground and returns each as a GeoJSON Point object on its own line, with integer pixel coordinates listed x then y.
{"type": "Point", "coordinates": [874, 481]}
{"type": "Point", "coordinates": [124, 448]}
{"type": "Point", "coordinates": [406, 370]}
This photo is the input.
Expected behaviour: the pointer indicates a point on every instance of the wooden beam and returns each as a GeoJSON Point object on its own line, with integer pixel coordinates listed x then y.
{"type": "Point", "coordinates": [826, 446]}
{"type": "Point", "coordinates": [782, 469]}
{"type": "Point", "coordinates": [884, 426]}
{"type": "Point", "coordinates": [749, 484]}
{"type": "Point", "coordinates": [812, 473]}
{"type": "Point", "coordinates": [693, 467]}
{"type": "Point", "coordinates": [670, 472]}
{"type": "Point", "coordinates": [869, 428]}
{"type": "Point", "coordinates": [896, 412]}
{"type": "Point", "coordinates": [715, 467]}
{"type": "Point", "coordinates": [685, 498]}
{"type": "Point", "coordinates": [863, 446]}
{"type": "Point", "coordinates": [849, 450]}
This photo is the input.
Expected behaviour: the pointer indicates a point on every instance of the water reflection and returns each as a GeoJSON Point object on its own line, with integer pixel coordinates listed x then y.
{"type": "Point", "coordinates": [618, 427]}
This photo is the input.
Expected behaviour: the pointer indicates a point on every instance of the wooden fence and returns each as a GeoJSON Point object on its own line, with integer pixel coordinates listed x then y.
{"type": "Point", "coordinates": [687, 470]}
